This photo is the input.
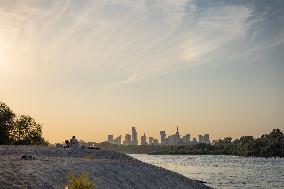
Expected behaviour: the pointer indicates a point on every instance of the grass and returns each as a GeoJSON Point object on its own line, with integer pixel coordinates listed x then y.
{"type": "Point", "coordinates": [79, 182]}
{"type": "Point", "coordinates": [89, 157]}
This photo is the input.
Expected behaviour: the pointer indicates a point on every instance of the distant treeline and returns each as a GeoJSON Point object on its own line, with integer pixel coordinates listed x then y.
{"type": "Point", "coordinates": [268, 145]}
{"type": "Point", "coordinates": [21, 129]}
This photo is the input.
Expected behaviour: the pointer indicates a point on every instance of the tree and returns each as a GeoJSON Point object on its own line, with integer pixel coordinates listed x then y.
{"type": "Point", "coordinates": [18, 130]}
{"type": "Point", "coordinates": [273, 143]}
{"type": "Point", "coordinates": [6, 123]}
{"type": "Point", "coordinates": [27, 131]}
{"type": "Point", "coordinates": [243, 146]}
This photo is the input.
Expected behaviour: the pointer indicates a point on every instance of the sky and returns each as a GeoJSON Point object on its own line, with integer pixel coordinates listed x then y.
{"type": "Point", "coordinates": [93, 68]}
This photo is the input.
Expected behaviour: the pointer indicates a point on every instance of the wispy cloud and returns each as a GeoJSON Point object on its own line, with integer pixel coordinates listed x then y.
{"type": "Point", "coordinates": [125, 40]}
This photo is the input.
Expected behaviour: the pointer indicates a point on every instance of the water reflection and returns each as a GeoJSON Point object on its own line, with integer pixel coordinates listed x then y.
{"type": "Point", "coordinates": [223, 171]}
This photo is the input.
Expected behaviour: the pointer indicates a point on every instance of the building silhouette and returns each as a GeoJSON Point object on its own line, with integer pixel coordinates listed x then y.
{"type": "Point", "coordinates": [200, 139]}
{"type": "Point", "coordinates": [174, 139]}
{"type": "Point", "coordinates": [127, 140]}
{"type": "Point", "coordinates": [194, 141]}
{"type": "Point", "coordinates": [177, 136]}
{"type": "Point", "coordinates": [186, 139]}
{"type": "Point", "coordinates": [134, 136]}
{"type": "Point", "coordinates": [110, 139]}
{"type": "Point", "coordinates": [163, 137]}
{"type": "Point", "coordinates": [151, 140]}
{"type": "Point", "coordinates": [117, 140]}
{"type": "Point", "coordinates": [144, 140]}
{"type": "Point", "coordinates": [206, 139]}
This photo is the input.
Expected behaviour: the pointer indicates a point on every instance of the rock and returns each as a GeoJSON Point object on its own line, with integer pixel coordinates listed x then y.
{"type": "Point", "coordinates": [27, 157]}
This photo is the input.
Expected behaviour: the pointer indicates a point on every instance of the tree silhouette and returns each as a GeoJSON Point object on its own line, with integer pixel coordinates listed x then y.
{"type": "Point", "coordinates": [18, 130]}
{"type": "Point", "coordinates": [27, 131]}
{"type": "Point", "coordinates": [6, 123]}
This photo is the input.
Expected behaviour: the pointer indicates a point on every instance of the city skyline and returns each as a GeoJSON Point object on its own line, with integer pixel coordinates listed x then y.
{"type": "Point", "coordinates": [175, 139]}
{"type": "Point", "coordinates": [89, 68]}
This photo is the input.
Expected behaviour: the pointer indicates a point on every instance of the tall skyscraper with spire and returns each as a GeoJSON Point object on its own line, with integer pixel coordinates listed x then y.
{"type": "Point", "coordinates": [177, 136]}
{"type": "Point", "coordinates": [177, 133]}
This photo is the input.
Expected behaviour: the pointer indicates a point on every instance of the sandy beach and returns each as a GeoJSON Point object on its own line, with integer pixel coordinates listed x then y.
{"type": "Point", "coordinates": [49, 167]}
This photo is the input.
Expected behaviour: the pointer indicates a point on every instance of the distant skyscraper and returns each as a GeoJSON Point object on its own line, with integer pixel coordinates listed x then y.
{"type": "Point", "coordinates": [134, 136]}
{"type": "Point", "coordinates": [110, 138]}
{"type": "Point", "coordinates": [206, 139]}
{"type": "Point", "coordinates": [117, 140]}
{"type": "Point", "coordinates": [151, 140]}
{"type": "Point", "coordinates": [186, 139]}
{"type": "Point", "coordinates": [177, 133]}
{"type": "Point", "coordinates": [174, 139]}
{"type": "Point", "coordinates": [200, 139]}
{"type": "Point", "coordinates": [127, 140]}
{"type": "Point", "coordinates": [171, 140]}
{"type": "Point", "coordinates": [194, 141]}
{"type": "Point", "coordinates": [163, 137]}
{"type": "Point", "coordinates": [177, 137]}
{"type": "Point", "coordinates": [143, 140]}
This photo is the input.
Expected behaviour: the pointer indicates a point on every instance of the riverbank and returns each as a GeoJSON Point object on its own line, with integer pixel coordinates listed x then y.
{"type": "Point", "coordinates": [48, 168]}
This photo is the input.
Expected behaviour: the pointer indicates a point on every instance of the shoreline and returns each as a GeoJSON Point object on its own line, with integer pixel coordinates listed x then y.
{"type": "Point", "coordinates": [49, 167]}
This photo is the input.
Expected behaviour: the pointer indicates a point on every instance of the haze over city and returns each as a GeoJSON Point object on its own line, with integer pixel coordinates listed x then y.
{"type": "Point", "coordinates": [90, 68]}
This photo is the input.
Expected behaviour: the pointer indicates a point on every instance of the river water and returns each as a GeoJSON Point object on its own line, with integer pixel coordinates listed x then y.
{"type": "Point", "coordinates": [223, 171]}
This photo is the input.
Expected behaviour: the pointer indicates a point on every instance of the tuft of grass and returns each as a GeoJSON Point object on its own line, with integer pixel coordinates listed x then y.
{"type": "Point", "coordinates": [79, 182]}
{"type": "Point", "coordinates": [89, 157]}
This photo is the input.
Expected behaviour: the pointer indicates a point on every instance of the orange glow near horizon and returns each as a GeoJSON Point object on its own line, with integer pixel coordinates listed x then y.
{"type": "Point", "coordinates": [93, 68]}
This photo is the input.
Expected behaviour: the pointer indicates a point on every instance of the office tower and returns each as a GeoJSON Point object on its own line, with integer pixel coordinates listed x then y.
{"type": "Point", "coordinates": [117, 140]}
{"type": "Point", "coordinates": [150, 140]}
{"type": "Point", "coordinates": [163, 137]}
{"type": "Point", "coordinates": [171, 140]}
{"type": "Point", "coordinates": [134, 136]}
{"type": "Point", "coordinates": [186, 139]}
{"type": "Point", "coordinates": [200, 139]}
{"type": "Point", "coordinates": [110, 138]}
{"type": "Point", "coordinates": [127, 140]}
{"type": "Point", "coordinates": [143, 140]}
{"type": "Point", "coordinates": [177, 137]}
{"type": "Point", "coordinates": [174, 139]}
{"type": "Point", "coordinates": [194, 141]}
{"type": "Point", "coordinates": [177, 133]}
{"type": "Point", "coordinates": [206, 139]}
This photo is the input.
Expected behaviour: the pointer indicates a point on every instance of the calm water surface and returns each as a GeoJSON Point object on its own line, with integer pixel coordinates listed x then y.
{"type": "Point", "coordinates": [223, 171]}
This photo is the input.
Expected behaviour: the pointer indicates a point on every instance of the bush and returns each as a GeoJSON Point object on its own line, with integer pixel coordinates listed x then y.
{"type": "Point", "coordinates": [20, 129]}
{"type": "Point", "coordinates": [81, 182]}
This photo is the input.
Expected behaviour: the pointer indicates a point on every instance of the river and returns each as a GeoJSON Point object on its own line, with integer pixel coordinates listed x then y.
{"type": "Point", "coordinates": [220, 171]}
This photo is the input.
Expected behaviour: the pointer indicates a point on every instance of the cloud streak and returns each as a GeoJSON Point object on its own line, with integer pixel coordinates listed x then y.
{"type": "Point", "coordinates": [125, 41]}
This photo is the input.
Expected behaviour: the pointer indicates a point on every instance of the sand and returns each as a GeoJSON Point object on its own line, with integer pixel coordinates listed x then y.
{"type": "Point", "coordinates": [49, 167]}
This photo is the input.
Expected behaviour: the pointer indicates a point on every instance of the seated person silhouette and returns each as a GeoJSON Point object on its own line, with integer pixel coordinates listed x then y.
{"type": "Point", "coordinates": [74, 142]}
{"type": "Point", "coordinates": [66, 144]}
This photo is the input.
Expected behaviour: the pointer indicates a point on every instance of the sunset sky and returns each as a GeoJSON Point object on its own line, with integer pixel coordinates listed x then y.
{"type": "Point", "coordinates": [92, 68]}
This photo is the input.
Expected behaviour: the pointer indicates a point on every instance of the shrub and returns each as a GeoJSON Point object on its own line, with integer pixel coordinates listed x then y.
{"type": "Point", "coordinates": [79, 182]}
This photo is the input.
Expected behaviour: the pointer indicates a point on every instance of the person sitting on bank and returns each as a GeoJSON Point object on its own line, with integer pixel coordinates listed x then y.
{"type": "Point", "coordinates": [74, 142]}
{"type": "Point", "coordinates": [66, 144]}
